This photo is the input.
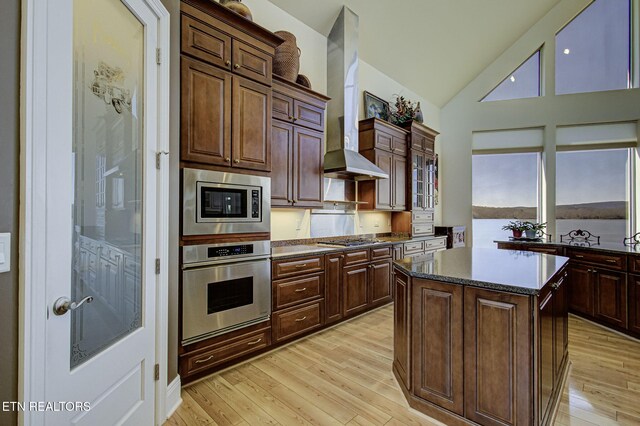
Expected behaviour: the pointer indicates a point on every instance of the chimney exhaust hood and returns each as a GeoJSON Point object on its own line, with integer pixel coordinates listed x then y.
{"type": "Point", "coordinates": [342, 159]}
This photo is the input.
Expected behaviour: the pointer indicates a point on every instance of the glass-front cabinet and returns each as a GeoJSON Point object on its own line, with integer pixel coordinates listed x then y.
{"type": "Point", "coordinates": [422, 180]}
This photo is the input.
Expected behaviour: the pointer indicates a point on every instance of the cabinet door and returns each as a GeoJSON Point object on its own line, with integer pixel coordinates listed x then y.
{"type": "Point", "coordinates": [205, 113]}
{"type": "Point", "coordinates": [282, 163]}
{"type": "Point", "coordinates": [282, 107]}
{"type": "Point", "coordinates": [308, 154]}
{"type": "Point", "coordinates": [399, 182]}
{"type": "Point", "coordinates": [610, 301]}
{"type": "Point", "coordinates": [380, 282]}
{"type": "Point", "coordinates": [634, 303]}
{"type": "Point", "coordinates": [497, 358]}
{"type": "Point", "coordinates": [251, 118]}
{"type": "Point", "coordinates": [401, 328]}
{"type": "Point", "coordinates": [398, 252]}
{"type": "Point", "coordinates": [333, 287]}
{"type": "Point", "coordinates": [580, 289]}
{"type": "Point", "coordinates": [437, 354]}
{"type": "Point", "coordinates": [561, 323]}
{"type": "Point", "coordinates": [308, 115]}
{"type": "Point", "coordinates": [205, 43]}
{"type": "Point", "coordinates": [430, 188]}
{"type": "Point", "coordinates": [546, 352]}
{"type": "Point", "coordinates": [418, 180]}
{"type": "Point", "coordinates": [384, 160]}
{"type": "Point", "coordinates": [354, 289]}
{"type": "Point", "coordinates": [252, 63]}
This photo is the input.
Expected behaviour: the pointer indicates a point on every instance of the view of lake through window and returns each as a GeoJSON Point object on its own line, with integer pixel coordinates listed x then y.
{"type": "Point", "coordinates": [505, 188]}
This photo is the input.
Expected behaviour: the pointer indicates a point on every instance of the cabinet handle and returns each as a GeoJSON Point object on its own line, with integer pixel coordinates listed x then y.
{"type": "Point", "coordinates": [579, 256]}
{"type": "Point", "coordinates": [301, 266]}
{"type": "Point", "coordinates": [611, 261]}
{"type": "Point", "coordinates": [200, 361]}
{"type": "Point", "coordinates": [300, 290]}
{"type": "Point", "coordinates": [236, 66]}
{"type": "Point", "coordinates": [291, 117]}
{"type": "Point", "coordinates": [228, 160]}
{"type": "Point", "coordinates": [589, 270]}
{"type": "Point", "coordinates": [295, 119]}
{"type": "Point", "coordinates": [227, 62]}
{"type": "Point", "coordinates": [342, 256]}
{"type": "Point", "coordinates": [236, 161]}
{"type": "Point", "coordinates": [255, 342]}
{"type": "Point", "coordinates": [301, 319]}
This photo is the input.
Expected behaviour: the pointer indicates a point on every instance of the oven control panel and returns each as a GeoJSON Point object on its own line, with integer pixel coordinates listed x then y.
{"type": "Point", "coordinates": [230, 250]}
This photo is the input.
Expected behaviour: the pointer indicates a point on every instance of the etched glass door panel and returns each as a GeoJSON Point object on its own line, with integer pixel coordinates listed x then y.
{"type": "Point", "coordinates": [418, 176]}
{"type": "Point", "coordinates": [108, 66]}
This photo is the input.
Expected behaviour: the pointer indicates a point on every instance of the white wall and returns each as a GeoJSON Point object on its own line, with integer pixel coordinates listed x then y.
{"type": "Point", "coordinates": [464, 115]}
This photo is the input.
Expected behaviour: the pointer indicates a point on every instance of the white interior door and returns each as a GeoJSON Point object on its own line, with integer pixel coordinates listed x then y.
{"type": "Point", "coordinates": [94, 213]}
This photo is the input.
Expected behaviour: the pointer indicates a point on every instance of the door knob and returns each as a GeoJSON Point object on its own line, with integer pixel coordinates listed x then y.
{"type": "Point", "coordinates": [227, 159]}
{"type": "Point", "coordinates": [227, 62]}
{"type": "Point", "coordinates": [236, 161]}
{"type": "Point", "coordinates": [236, 66]}
{"type": "Point", "coordinates": [64, 305]}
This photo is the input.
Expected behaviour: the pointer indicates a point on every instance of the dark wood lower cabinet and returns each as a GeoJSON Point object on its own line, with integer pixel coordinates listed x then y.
{"type": "Point", "coordinates": [634, 303]}
{"type": "Point", "coordinates": [401, 313]}
{"type": "Point", "coordinates": [437, 321]}
{"type": "Point", "coordinates": [546, 353]}
{"type": "Point", "coordinates": [497, 359]}
{"type": "Point", "coordinates": [610, 296]}
{"type": "Point", "coordinates": [380, 282]}
{"type": "Point", "coordinates": [354, 286]}
{"type": "Point", "coordinates": [333, 287]}
{"type": "Point", "coordinates": [581, 289]}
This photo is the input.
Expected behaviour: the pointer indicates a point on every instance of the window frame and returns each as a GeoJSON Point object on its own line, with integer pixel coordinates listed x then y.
{"type": "Point", "coordinates": [541, 91]}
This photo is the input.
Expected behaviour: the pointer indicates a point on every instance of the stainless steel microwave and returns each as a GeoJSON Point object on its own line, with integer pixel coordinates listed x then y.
{"type": "Point", "coordinates": [225, 203]}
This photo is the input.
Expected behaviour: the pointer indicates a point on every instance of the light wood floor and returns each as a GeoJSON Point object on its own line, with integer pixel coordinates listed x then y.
{"type": "Point", "coordinates": [342, 376]}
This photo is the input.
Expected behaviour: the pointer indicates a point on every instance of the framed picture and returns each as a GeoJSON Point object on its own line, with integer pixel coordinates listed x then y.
{"type": "Point", "coordinates": [375, 107]}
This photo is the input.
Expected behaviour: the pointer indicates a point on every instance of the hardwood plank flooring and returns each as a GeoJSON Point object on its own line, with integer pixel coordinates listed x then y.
{"type": "Point", "coordinates": [342, 376]}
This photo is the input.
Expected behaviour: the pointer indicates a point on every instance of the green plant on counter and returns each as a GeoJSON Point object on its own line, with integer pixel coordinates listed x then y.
{"type": "Point", "coordinates": [515, 226]}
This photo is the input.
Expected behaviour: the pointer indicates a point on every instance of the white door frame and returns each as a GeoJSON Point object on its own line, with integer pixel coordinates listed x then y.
{"type": "Point", "coordinates": [35, 122]}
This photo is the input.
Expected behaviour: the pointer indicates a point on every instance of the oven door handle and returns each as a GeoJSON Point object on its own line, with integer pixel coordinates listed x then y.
{"type": "Point", "coordinates": [195, 265]}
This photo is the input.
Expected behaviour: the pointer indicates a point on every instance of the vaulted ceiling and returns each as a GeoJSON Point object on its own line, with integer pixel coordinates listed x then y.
{"type": "Point", "coordinates": [433, 47]}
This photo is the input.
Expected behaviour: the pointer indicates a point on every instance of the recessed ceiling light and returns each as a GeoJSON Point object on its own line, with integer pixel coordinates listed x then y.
{"type": "Point", "coordinates": [566, 51]}
{"type": "Point", "coordinates": [512, 78]}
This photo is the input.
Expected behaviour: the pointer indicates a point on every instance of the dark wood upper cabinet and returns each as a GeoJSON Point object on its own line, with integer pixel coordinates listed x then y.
{"type": "Point", "coordinates": [281, 163]}
{"type": "Point", "coordinates": [437, 351]}
{"type": "Point", "coordinates": [205, 113]}
{"type": "Point", "coordinates": [384, 145]}
{"type": "Point", "coordinates": [298, 121]}
{"type": "Point", "coordinates": [421, 137]}
{"type": "Point", "coordinates": [333, 287]}
{"type": "Point", "coordinates": [497, 358]}
{"type": "Point", "coordinates": [251, 121]}
{"type": "Point", "coordinates": [225, 88]}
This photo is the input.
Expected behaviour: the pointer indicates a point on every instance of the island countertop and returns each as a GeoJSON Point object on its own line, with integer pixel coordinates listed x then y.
{"type": "Point", "coordinates": [503, 270]}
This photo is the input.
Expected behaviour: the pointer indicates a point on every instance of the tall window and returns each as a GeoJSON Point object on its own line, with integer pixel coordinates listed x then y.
{"type": "Point", "coordinates": [505, 188]}
{"type": "Point", "coordinates": [592, 192]}
{"type": "Point", "coordinates": [593, 52]}
{"type": "Point", "coordinates": [524, 82]}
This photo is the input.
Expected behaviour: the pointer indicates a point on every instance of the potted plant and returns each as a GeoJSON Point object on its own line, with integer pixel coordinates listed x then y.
{"type": "Point", "coordinates": [532, 229]}
{"type": "Point", "coordinates": [516, 227]}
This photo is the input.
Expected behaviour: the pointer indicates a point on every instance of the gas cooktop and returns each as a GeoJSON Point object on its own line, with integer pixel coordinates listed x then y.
{"type": "Point", "coordinates": [349, 242]}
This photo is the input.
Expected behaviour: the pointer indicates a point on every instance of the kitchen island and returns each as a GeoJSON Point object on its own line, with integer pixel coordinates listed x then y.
{"type": "Point", "coordinates": [480, 335]}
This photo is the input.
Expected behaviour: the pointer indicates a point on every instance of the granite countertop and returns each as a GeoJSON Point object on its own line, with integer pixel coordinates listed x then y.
{"type": "Point", "coordinates": [603, 247]}
{"type": "Point", "coordinates": [287, 251]}
{"type": "Point", "coordinates": [505, 270]}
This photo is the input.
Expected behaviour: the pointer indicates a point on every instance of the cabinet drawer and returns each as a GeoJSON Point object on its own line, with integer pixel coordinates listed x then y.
{"type": "Point", "coordinates": [297, 321]}
{"type": "Point", "coordinates": [308, 115]}
{"type": "Point", "coordinates": [237, 347]}
{"type": "Point", "coordinates": [611, 261]}
{"type": "Point", "coordinates": [303, 265]}
{"type": "Point", "coordinates": [413, 247]}
{"type": "Point", "coordinates": [282, 107]}
{"type": "Point", "coordinates": [634, 264]}
{"type": "Point", "coordinates": [422, 229]}
{"type": "Point", "coordinates": [435, 244]}
{"type": "Point", "coordinates": [383, 141]}
{"type": "Point", "coordinates": [356, 256]}
{"type": "Point", "coordinates": [297, 290]}
{"type": "Point", "coordinates": [252, 63]}
{"type": "Point", "coordinates": [422, 216]}
{"type": "Point", "coordinates": [556, 251]}
{"type": "Point", "coordinates": [205, 43]}
{"type": "Point", "coordinates": [380, 252]}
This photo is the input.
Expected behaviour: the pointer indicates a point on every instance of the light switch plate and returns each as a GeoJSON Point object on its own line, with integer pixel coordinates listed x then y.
{"type": "Point", "coordinates": [5, 252]}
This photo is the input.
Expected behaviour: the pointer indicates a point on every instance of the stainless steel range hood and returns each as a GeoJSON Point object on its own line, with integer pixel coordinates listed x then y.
{"type": "Point", "coordinates": [342, 159]}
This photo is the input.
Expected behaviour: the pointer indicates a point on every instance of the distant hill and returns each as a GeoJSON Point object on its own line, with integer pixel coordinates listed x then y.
{"type": "Point", "coordinates": [603, 210]}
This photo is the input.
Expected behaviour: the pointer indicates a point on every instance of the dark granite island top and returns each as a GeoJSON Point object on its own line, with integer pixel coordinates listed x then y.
{"type": "Point", "coordinates": [504, 270]}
